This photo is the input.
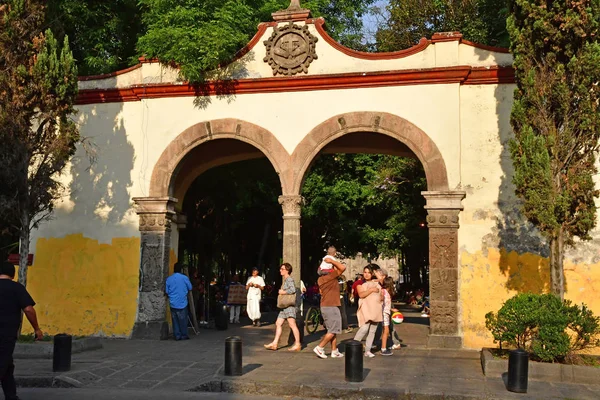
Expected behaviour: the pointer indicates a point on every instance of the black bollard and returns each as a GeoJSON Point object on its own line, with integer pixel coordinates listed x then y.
{"type": "Point", "coordinates": [61, 359]}
{"type": "Point", "coordinates": [354, 361]}
{"type": "Point", "coordinates": [518, 370]}
{"type": "Point", "coordinates": [233, 356]}
{"type": "Point", "coordinates": [221, 316]}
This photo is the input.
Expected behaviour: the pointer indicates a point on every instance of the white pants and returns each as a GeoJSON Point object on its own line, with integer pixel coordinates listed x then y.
{"type": "Point", "coordinates": [253, 309]}
{"type": "Point", "coordinates": [234, 313]}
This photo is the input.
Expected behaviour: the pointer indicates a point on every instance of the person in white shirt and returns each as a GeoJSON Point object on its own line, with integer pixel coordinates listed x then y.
{"type": "Point", "coordinates": [326, 267]}
{"type": "Point", "coordinates": [255, 286]}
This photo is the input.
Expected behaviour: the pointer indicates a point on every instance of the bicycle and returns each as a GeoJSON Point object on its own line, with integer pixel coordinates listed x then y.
{"type": "Point", "coordinates": [313, 319]}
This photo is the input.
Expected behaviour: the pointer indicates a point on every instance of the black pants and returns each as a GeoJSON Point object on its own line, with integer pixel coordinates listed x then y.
{"type": "Point", "coordinates": [7, 367]}
{"type": "Point", "coordinates": [344, 315]}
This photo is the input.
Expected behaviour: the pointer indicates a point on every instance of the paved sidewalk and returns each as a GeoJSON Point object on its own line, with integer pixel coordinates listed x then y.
{"type": "Point", "coordinates": [412, 372]}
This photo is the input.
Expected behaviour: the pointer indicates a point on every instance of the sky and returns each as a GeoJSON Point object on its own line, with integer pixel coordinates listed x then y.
{"type": "Point", "coordinates": [371, 21]}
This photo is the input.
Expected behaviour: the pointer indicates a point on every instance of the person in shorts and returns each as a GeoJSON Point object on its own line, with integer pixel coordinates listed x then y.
{"type": "Point", "coordinates": [330, 301]}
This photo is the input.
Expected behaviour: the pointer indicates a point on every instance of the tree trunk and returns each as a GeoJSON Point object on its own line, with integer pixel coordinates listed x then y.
{"type": "Point", "coordinates": [557, 273]}
{"type": "Point", "coordinates": [24, 249]}
{"type": "Point", "coordinates": [23, 256]}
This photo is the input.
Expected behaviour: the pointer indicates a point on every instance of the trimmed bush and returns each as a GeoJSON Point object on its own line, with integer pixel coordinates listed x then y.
{"type": "Point", "coordinates": [548, 328]}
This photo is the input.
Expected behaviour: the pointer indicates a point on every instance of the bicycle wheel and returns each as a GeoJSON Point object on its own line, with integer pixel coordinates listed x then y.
{"type": "Point", "coordinates": [311, 322]}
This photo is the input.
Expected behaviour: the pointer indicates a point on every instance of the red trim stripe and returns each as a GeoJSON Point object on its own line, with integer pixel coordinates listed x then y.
{"type": "Point", "coordinates": [446, 75]}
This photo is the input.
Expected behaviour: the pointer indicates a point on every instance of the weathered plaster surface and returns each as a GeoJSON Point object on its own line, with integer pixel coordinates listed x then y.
{"type": "Point", "coordinates": [501, 254]}
{"type": "Point", "coordinates": [83, 287]}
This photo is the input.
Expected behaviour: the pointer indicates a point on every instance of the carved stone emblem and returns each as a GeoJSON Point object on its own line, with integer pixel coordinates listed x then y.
{"type": "Point", "coordinates": [290, 49]}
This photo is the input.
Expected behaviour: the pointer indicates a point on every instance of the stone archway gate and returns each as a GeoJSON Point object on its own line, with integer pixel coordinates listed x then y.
{"type": "Point", "coordinates": [296, 93]}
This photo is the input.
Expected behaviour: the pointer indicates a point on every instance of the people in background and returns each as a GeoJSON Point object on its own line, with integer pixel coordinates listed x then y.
{"type": "Point", "coordinates": [369, 309]}
{"type": "Point", "coordinates": [330, 303]}
{"type": "Point", "coordinates": [288, 287]}
{"type": "Point", "coordinates": [326, 265]}
{"type": "Point", "coordinates": [254, 286]}
{"type": "Point", "coordinates": [177, 288]}
{"type": "Point", "coordinates": [234, 300]}
{"type": "Point", "coordinates": [14, 299]}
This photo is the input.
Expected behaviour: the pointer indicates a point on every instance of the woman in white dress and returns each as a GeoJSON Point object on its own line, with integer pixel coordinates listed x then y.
{"type": "Point", "coordinates": [254, 286]}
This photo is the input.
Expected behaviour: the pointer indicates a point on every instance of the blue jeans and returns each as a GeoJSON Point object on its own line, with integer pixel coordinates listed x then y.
{"type": "Point", "coordinates": [180, 322]}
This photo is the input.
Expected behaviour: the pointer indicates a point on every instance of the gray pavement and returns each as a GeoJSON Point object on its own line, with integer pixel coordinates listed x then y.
{"type": "Point", "coordinates": [125, 394]}
{"type": "Point", "coordinates": [169, 367]}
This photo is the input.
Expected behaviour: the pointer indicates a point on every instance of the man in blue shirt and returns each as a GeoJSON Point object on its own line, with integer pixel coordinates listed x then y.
{"type": "Point", "coordinates": [177, 288]}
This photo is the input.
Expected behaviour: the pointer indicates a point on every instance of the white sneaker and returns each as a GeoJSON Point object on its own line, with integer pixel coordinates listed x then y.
{"type": "Point", "coordinates": [336, 354]}
{"type": "Point", "coordinates": [369, 354]}
{"type": "Point", "coordinates": [320, 352]}
{"type": "Point", "coordinates": [396, 346]}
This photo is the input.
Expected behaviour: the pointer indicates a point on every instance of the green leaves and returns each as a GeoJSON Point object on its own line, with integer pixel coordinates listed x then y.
{"type": "Point", "coordinates": [200, 35]}
{"type": "Point", "coordinates": [544, 325]}
{"type": "Point", "coordinates": [39, 87]}
{"type": "Point", "coordinates": [481, 21]}
{"type": "Point", "coordinates": [364, 203]}
{"type": "Point", "coordinates": [556, 115]}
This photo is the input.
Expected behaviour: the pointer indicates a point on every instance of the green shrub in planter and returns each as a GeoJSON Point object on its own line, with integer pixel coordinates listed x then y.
{"type": "Point", "coordinates": [585, 327]}
{"type": "Point", "coordinates": [541, 325]}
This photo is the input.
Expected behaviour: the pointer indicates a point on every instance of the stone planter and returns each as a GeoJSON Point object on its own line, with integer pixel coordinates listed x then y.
{"type": "Point", "coordinates": [45, 349]}
{"type": "Point", "coordinates": [495, 367]}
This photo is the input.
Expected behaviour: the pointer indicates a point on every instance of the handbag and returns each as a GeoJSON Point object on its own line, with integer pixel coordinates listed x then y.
{"type": "Point", "coordinates": [286, 300]}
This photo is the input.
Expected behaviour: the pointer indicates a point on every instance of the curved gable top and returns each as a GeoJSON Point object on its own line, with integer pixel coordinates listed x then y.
{"type": "Point", "coordinates": [333, 61]}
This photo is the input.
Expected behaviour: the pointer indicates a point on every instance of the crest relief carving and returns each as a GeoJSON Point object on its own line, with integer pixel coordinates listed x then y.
{"type": "Point", "coordinates": [290, 49]}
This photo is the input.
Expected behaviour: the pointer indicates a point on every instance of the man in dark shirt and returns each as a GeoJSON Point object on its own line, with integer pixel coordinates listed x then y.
{"type": "Point", "coordinates": [330, 301]}
{"type": "Point", "coordinates": [13, 299]}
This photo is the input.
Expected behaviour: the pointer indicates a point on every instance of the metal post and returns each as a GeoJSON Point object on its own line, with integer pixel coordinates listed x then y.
{"type": "Point", "coordinates": [233, 356]}
{"type": "Point", "coordinates": [61, 358]}
{"type": "Point", "coordinates": [518, 370]}
{"type": "Point", "coordinates": [221, 316]}
{"type": "Point", "coordinates": [354, 361]}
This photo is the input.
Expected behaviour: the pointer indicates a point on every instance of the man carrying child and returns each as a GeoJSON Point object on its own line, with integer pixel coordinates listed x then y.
{"type": "Point", "coordinates": [330, 301]}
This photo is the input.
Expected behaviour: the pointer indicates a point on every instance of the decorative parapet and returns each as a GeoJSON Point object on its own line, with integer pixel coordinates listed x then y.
{"type": "Point", "coordinates": [294, 12]}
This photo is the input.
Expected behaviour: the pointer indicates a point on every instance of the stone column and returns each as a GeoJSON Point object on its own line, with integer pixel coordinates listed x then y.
{"type": "Point", "coordinates": [292, 208]}
{"type": "Point", "coordinates": [156, 215]}
{"type": "Point", "coordinates": [443, 209]}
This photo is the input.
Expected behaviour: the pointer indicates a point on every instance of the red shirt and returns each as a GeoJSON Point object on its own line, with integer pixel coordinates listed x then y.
{"type": "Point", "coordinates": [355, 286]}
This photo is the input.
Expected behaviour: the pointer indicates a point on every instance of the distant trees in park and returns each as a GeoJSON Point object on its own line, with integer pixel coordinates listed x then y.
{"type": "Point", "coordinates": [404, 22]}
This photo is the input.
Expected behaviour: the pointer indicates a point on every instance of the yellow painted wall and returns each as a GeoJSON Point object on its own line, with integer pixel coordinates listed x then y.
{"type": "Point", "coordinates": [83, 287]}
{"type": "Point", "coordinates": [489, 280]}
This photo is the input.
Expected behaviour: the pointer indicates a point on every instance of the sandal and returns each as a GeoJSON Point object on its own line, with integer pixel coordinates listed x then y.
{"type": "Point", "coordinates": [270, 346]}
{"type": "Point", "coordinates": [295, 348]}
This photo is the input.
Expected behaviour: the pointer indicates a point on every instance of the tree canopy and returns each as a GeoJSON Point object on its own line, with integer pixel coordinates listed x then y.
{"type": "Point", "coordinates": [481, 21]}
{"type": "Point", "coordinates": [200, 35]}
{"type": "Point", "coordinates": [556, 119]}
{"type": "Point", "coordinates": [38, 86]}
{"type": "Point", "coordinates": [103, 34]}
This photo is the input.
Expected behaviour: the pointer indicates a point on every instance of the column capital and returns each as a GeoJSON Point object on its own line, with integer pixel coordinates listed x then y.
{"type": "Point", "coordinates": [443, 208]}
{"type": "Point", "coordinates": [155, 213]}
{"type": "Point", "coordinates": [444, 200]}
{"type": "Point", "coordinates": [291, 205]}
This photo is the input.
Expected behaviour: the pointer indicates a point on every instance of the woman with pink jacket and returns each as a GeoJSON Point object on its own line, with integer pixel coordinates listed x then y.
{"type": "Point", "coordinates": [369, 309]}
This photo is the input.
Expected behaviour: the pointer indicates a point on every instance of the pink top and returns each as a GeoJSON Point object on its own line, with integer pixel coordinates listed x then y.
{"type": "Point", "coordinates": [369, 308]}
